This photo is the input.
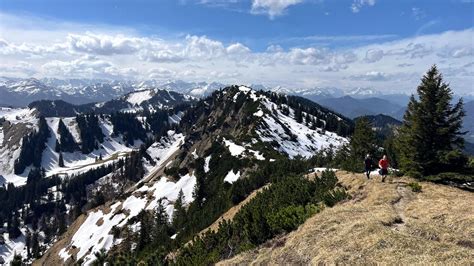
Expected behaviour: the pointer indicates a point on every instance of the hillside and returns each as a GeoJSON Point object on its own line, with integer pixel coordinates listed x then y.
{"type": "Point", "coordinates": [223, 141]}
{"type": "Point", "coordinates": [149, 100]}
{"type": "Point", "coordinates": [381, 120]}
{"type": "Point", "coordinates": [383, 223]}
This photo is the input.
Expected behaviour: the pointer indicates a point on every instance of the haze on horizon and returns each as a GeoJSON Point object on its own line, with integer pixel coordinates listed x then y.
{"type": "Point", "coordinates": [294, 43]}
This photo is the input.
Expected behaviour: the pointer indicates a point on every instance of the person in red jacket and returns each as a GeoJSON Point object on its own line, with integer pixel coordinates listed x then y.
{"type": "Point", "coordinates": [383, 164]}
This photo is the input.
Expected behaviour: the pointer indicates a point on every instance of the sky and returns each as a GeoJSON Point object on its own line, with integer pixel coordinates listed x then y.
{"type": "Point", "coordinates": [381, 44]}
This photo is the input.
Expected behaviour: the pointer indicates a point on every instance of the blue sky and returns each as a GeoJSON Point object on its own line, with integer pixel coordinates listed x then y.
{"type": "Point", "coordinates": [298, 43]}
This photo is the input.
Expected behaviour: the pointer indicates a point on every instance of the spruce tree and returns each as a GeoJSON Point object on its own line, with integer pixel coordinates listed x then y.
{"type": "Point", "coordinates": [430, 139]}
{"type": "Point", "coordinates": [61, 160]}
{"type": "Point", "coordinates": [179, 214]}
{"type": "Point", "coordinates": [363, 142]}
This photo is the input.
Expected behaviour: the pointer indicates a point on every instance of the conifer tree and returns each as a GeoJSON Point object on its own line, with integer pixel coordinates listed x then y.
{"type": "Point", "coordinates": [363, 142]}
{"type": "Point", "coordinates": [179, 214]}
{"type": "Point", "coordinates": [430, 139]}
{"type": "Point", "coordinates": [161, 223]}
{"type": "Point", "coordinates": [61, 160]}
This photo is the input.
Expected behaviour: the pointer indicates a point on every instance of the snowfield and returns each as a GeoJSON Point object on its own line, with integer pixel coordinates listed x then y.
{"type": "Point", "coordinates": [12, 247]}
{"type": "Point", "coordinates": [15, 115]}
{"type": "Point", "coordinates": [304, 142]}
{"type": "Point", "coordinates": [136, 98]}
{"type": "Point", "coordinates": [95, 233]}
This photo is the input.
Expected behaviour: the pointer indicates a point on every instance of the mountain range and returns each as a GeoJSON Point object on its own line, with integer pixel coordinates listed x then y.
{"type": "Point", "coordinates": [145, 174]}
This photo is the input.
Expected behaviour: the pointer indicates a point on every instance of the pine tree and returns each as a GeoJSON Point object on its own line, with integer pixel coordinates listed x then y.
{"type": "Point", "coordinates": [430, 139]}
{"type": "Point", "coordinates": [35, 248]}
{"type": "Point", "coordinates": [161, 223]}
{"type": "Point", "coordinates": [57, 146]}
{"type": "Point", "coordinates": [61, 160]}
{"type": "Point", "coordinates": [179, 214]}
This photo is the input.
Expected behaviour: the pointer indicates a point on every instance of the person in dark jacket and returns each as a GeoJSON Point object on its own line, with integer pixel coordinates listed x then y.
{"type": "Point", "coordinates": [368, 165]}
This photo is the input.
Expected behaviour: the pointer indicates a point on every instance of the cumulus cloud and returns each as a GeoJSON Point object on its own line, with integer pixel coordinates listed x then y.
{"type": "Point", "coordinates": [237, 49]}
{"type": "Point", "coordinates": [274, 48]}
{"type": "Point", "coordinates": [203, 47]}
{"type": "Point", "coordinates": [109, 53]}
{"type": "Point", "coordinates": [104, 44]}
{"type": "Point", "coordinates": [87, 66]}
{"type": "Point", "coordinates": [272, 8]}
{"type": "Point", "coordinates": [373, 55]}
{"type": "Point", "coordinates": [358, 4]}
{"type": "Point", "coordinates": [308, 56]}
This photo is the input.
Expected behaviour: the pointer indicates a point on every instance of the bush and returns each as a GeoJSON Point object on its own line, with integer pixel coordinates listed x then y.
{"type": "Point", "coordinates": [415, 186]}
{"type": "Point", "coordinates": [289, 218]}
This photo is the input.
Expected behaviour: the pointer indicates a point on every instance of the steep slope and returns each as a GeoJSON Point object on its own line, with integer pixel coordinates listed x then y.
{"type": "Point", "coordinates": [225, 138]}
{"type": "Point", "coordinates": [20, 122]}
{"type": "Point", "coordinates": [383, 223]}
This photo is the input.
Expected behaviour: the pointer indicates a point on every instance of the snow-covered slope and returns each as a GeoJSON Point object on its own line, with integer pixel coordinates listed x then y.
{"type": "Point", "coordinates": [21, 121]}
{"type": "Point", "coordinates": [291, 137]}
{"type": "Point", "coordinates": [95, 233]}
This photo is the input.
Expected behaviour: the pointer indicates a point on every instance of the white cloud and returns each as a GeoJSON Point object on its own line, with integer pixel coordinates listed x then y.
{"type": "Point", "coordinates": [272, 8]}
{"type": "Point", "coordinates": [67, 51]}
{"type": "Point", "coordinates": [373, 55]}
{"type": "Point", "coordinates": [358, 4]}
{"type": "Point", "coordinates": [237, 49]}
{"type": "Point", "coordinates": [103, 44]}
{"type": "Point", "coordinates": [371, 76]}
{"type": "Point", "coordinates": [308, 56]}
{"type": "Point", "coordinates": [203, 47]}
{"type": "Point", "coordinates": [160, 73]}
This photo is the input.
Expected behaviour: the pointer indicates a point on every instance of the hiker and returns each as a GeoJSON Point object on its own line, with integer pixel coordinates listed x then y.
{"type": "Point", "coordinates": [383, 164]}
{"type": "Point", "coordinates": [368, 165]}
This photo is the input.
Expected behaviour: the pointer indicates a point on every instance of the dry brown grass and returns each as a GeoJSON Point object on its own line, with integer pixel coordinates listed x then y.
{"type": "Point", "coordinates": [383, 223]}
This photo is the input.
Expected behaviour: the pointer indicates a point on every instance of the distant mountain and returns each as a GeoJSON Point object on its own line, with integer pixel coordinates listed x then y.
{"type": "Point", "coordinates": [380, 120]}
{"type": "Point", "coordinates": [469, 148]}
{"type": "Point", "coordinates": [352, 107]}
{"type": "Point", "coordinates": [151, 99]}
{"type": "Point", "coordinates": [468, 122]}
{"type": "Point", "coordinates": [21, 92]}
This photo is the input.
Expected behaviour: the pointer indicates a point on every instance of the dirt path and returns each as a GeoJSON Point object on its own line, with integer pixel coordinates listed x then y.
{"type": "Point", "coordinates": [383, 223]}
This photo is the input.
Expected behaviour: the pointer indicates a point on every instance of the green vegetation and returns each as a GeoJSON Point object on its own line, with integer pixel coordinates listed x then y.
{"type": "Point", "coordinates": [90, 132]}
{"type": "Point", "coordinates": [66, 142]}
{"type": "Point", "coordinates": [415, 186]}
{"type": "Point", "coordinates": [281, 208]}
{"type": "Point", "coordinates": [128, 125]}
{"type": "Point", "coordinates": [430, 139]}
{"type": "Point", "coordinates": [32, 147]}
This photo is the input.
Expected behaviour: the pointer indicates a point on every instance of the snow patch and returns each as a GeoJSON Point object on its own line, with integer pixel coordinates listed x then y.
{"type": "Point", "coordinates": [206, 164]}
{"type": "Point", "coordinates": [136, 98]}
{"type": "Point", "coordinates": [235, 150]}
{"type": "Point", "coordinates": [231, 177]}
